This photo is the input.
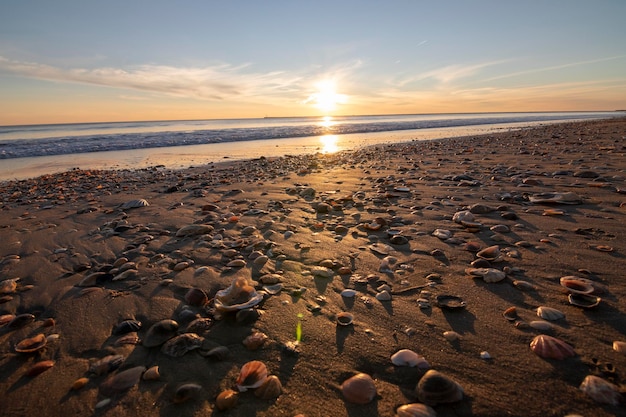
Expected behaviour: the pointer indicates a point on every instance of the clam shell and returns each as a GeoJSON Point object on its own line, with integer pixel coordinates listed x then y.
{"type": "Point", "coordinates": [549, 313]}
{"type": "Point", "coordinates": [21, 320]}
{"type": "Point", "coordinates": [238, 296]}
{"type": "Point", "coordinates": [79, 383]}
{"type": "Point", "coordinates": [348, 293]}
{"type": "Point", "coordinates": [442, 234]}
{"type": "Point", "coordinates": [160, 332]}
{"type": "Point", "coordinates": [107, 364]}
{"type": "Point", "coordinates": [252, 375]}
{"type": "Point", "coordinates": [510, 314]}
{"type": "Point", "coordinates": [491, 253]}
{"type": "Point", "coordinates": [194, 230]}
{"type": "Point", "coordinates": [178, 346]}
{"type": "Point", "coordinates": [322, 271]}
{"type": "Point", "coordinates": [218, 353]}
{"type": "Point", "coordinates": [463, 216]}
{"type": "Point", "coordinates": [359, 389]}
{"type": "Point", "coordinates": [601, 390]}
{"type": "Point", "coordinates": [270, 388]}
{"type": "Point", "coordinates": [199, 326]}
{"type": "Point", "coordinates": [140, 202]}
{"type": "Point", "coordinates": [576, 286]}
{"type": "Point", "coordinates": [122, 381]}
{"type": "Point", "coordinates": [39, 367]}
{"type": "Point", "coordinates": [407, 357]}
{"type": "Point", "coordinates": [196, 297]}
{"type": "Point", "coordinates": [489, 275]}
{"type": "Point", "coordinates": [415, 410]}
{"type": "Point", "coordinates": [584, 300]}
{"type": "Point", "coordinates": [152, 374]}
{"type": "Point", "coordinates": [255, 340]}
{"type": "Point", "coordinates": [226, 399]}
{"type": "Point", "coordinates": [549, 347]}
{"type": "Point", "coordinates": [541, 325]}
{"type": "Point", "coordinates": [450, 302]}
{"type": "Point", "coordinates": [436, 388]}
{"type": "Point", "coordinates": [186, 392]}
{"type": "Point", "coordinates": [126, 326]}
{"type": "Point", "coordinates": [31, 344]}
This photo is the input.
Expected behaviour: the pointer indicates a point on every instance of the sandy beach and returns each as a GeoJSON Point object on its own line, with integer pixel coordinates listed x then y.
{"type": "Point", "coordinates": [317, 268]}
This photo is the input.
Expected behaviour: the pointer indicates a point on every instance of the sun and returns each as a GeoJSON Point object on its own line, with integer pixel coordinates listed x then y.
{"type": "Point", "coordinates": [326, 97]}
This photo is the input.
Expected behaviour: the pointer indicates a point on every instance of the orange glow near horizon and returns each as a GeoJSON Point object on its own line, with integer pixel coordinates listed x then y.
{"type": "Point", "coordinates": [326, 97]}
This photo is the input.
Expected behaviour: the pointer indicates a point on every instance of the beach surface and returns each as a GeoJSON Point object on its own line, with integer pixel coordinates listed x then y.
{"type": "Point", "coordinates": [321, 267]}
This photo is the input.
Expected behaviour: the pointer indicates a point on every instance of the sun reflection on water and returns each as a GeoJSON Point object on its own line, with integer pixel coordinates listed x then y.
{"type": "Point", "coordinates": [329, 143]}
{"type": "Point", "coordinates": [327, 121]}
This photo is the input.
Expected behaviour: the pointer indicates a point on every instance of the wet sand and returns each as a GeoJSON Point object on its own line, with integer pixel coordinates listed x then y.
{"type": "Point", "coordinates": [552, 199]}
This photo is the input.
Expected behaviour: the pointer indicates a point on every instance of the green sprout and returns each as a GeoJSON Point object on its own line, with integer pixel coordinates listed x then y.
{"type": "Point", "coordinates": [299, 328]}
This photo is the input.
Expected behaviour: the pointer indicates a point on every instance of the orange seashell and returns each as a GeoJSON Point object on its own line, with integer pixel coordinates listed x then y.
{"type": "Point", "coordinates": [233, 219]}
{"type": "Point", "coordinates": [252, 375]}
{"type": "Point", "coordinates": [549, 347]}
{"type": "Point", "coordinates": [152, 374]}
{"type": "Point", "coordinates": [255, 340]}
{"type": "Point", "coordinates": [79, 383]}
{"type": "Point", "coordinates": [359, 389]}
{"type": "Point", "coordinates": [39, 367]}
{"type": "Point", "coordinates": [226, 399]}
{"type": "Point", "coordinates": [31, 344]}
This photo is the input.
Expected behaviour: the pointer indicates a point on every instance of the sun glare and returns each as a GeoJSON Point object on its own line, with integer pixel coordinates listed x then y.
{"type": "Point", "coordinates": [329, 143]}
{"type": "Point", "coordinates": [326, 97]}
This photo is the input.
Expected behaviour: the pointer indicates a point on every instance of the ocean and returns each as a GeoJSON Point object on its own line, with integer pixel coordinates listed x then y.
{"type": "Point", "coordinates": [35, 149]}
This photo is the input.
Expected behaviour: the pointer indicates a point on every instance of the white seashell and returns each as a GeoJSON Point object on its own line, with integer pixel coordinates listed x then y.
{"type": "Point", "coordinates": [194, 230]}
{"type": "Point", "coordinates": [600, 390]}
{"type": "Point", "coordinates": [442, 234]}
{"type": "Point", "coordinates": [407, 357]}
{"type": "Point", "coordinates": [463, 216]}
{"type": "Point", "coordinates": [383, 296]}
{"type": "Point", "coordinates": [134, 204]}
{"type": "Point", "coordinates": [489, 275]}
{"type": "Point", "coordinates": [485, 355]}
{"type": "Point", "coordinates": [549, 313]}
{"type": "Point", "coordinates": [415, 410]}
{"type": "Point", "coordinates": [541, 325]}
{"type": "Point", "coordinates": [236, 263]}
{"type": "Point", "coordinates": [321, 271]}
{"type": "Point", "coordinates": [451, 336]}
{"type": "Point", "coordinates": [619, 346]}
{"type": "Point", "coordinates": [129, 273]}
{"type": "Point", "coordinates": [348, 293]}
{"type": "Point", "coordinates": [238, 296]}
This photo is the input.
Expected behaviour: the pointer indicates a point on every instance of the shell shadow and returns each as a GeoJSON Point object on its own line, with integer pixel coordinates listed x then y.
{"type": "Point", "coordinates": [341, 334]}
{"type": "Point", "coordinates": [461, 320]}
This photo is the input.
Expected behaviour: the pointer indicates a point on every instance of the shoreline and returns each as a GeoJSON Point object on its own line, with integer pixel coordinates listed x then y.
{"type": "Point", "coordinates": [180, 157]}
{"type": "Point", "coordinates": [372, 232]}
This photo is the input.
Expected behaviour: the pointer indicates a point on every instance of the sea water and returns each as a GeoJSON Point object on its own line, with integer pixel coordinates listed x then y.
{"type": "Point", "coordinates": [36, 149]}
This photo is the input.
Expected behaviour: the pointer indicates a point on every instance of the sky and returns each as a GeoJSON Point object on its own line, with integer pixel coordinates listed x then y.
{"type": "Point", "coordinates": [78, 61]}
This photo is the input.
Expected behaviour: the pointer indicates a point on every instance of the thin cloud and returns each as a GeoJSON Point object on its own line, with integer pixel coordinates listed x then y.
{"type": "Point", "coordinates": [448, 74]}
{"type": "Point", "coordinates": [214, 82]}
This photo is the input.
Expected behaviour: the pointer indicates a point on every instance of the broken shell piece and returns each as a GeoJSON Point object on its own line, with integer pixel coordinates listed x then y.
{"type": "Point", "coordinates": [549, 347]}
{"type": "Point", "coordinates": [601, 390]}
{"type": "Point", "coordinates": [407, 357]}
{"type": "Point", "coordinates": [359, 389]}
{"type": "Point", "coordinates": [381, 248]}
{"type": "Point", "coordinates": [584, 300]}
{"type": "Point", "coordinates": [491, 253]}
{"type": "Point", "coordinates": [488, 275]}
{"type": "Point", "coordinates": [178, 346]}
{"type": "Point", "coordinates": [252, 375]}
{"type": "Point", "coordinates": [549, 313]}
{"type": "Point", "coordinates": [238, 296]}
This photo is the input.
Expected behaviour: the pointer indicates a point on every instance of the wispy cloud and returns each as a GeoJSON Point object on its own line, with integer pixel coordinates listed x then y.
{"type": "Point", "coordinates": [448, 74]}
{"type": "Point", "coordinates": [213, 82]}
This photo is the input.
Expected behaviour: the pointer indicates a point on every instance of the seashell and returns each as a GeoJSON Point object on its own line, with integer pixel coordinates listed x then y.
{"type": "Point", "coordinates": [488, 275]}
{"type": "Point", "coordinates": [8, 286]}
{"type": "Point", "coordinates": [194, 230]}
{"type": "Point", "coordinates": [510, 314]}
{"type": "Point", "coordinates": [415, 410]}
{"type": "Point", "coordinates": [218, 353]}
{"type": "Point", "coordinates": [322, 271]}
{"type": "Point", "coordinates": [481, 263]}
{"type": "Point", "coordinates": [160, 332]}
{"type": "Point", "coordinates": [129, 273]}
{"type": "Point", "coordinates": [450, 302]}
{"type": "Point", "coordinates": [442, 234]}
{"type": "Point", "coordinates": [102, 403]}
{"type": "Point", "coordinates": [21, 320]}
{"type": "Point", "coordinates": [451, 336]}
{"type": "Point", "coordinates": [152, 374]}
{"type": "Point", "coordinates": [576, 285]}
{"type": "Point", "coordinates": [128, 339]}
{"type": "Point", "coordinates": [619, 346]}
{"type": "Point", "coordinates": [359, 389]}
{"type": "Point", "coordinates": [252, 375]}
{"type": "Point", "coordinates": [255, 340]}
{"type": "Point", "coordinates": [79, 383]}
{"type": "Point", "coordinates": [236, 263]}
{"type": "Point", "coordinates": [500, 228]}
{"type": "Point", "coordinates": [122, 381]}
{"type": "Point", "coordinates": [178, 346]}
{"type": "Point", "coordinates": [485, 355]}
{"type": "Point", "coordinates": [344, 318]}
{"type": "Point", "coordinates": [270, 279]}
{"type": "Point", "coordinates": [134, 204]}
{"type": "Point", "coordinates": [603, 248]}
{"type": "Point", "coordinates": [127, 326]}
{"type": "Point", "coordinates": [491, 253]}
{"type": "Point", "coordinates": [260, 261]}
{"type": "Point", "coordinates": [199, 326]}
{"type": "Point", "coordinates": [270, 388]}
{"type": "Point", "coordinates": [541, 325]}
{"type": "Point", "coordinates": [436, 388]}
{"type": "Point", "coordinates": [384, 295]}
{"type": "Point", "coordinates": [381, 248]}
{"type": "Point", "coordinates": [31, 344]}
{"type": "Point", "coordinates": [601, 390]}
{"type": "Point", "coordinates": [5, 319]}
{"type": "Point", "coordinates": [406, 357]}
{"type": "Point", "coordinates": [226, 399]}
{"type": "Point", "coordinates": [549, 313]}
{"type": "Point", "coordinates": [348, 293]}
{"type": "Point", "coordinates": [555, 198]}
{"type": "Point", "coordinates": [186, 392]}
{"type": "Point", "coordinates": [523, 285]}
{"type": "Point", "coordinates": [273, 289]}
{"type": "Point", "coordinates": [238, 296]}
{"type": "Point", "coordinates": [247, 315]}
{"type": "Point", "coordinates": [549, 347]}
{"type": "Point", "coordinates": [463, 216]}
{"type": "Point", "coordinates": [398, 240]}
{"type": "Point", "coordinates": [107, 364]}
{"type": "Point", "coordinates": [584, 300]}
{"type": "Point", "coordinates": [196, 297]}
{"type": "Point", "coordinates": [39, 368]}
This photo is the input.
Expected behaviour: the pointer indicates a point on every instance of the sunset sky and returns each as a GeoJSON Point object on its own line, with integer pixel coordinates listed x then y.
{"type": "Point", "coordinates": [67, 61]}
